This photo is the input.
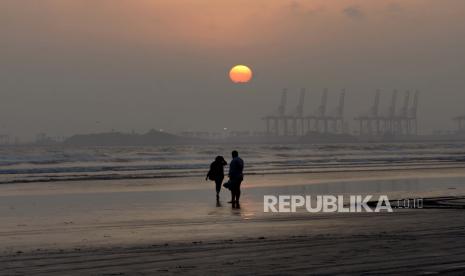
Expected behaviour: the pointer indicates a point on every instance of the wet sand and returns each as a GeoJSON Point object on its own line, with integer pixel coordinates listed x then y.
{"type": "Point", "coordinates": [148, 226]}
{"type": "Point", "coordinates": [408, 242]}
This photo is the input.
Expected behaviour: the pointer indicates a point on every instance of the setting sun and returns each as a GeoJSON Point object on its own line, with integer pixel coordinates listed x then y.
{"type": "Point", "coordinates": [240, 74]}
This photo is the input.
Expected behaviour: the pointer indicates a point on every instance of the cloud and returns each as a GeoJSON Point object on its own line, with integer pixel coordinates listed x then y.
{"type": "Point", "coordinates": [354, 12]}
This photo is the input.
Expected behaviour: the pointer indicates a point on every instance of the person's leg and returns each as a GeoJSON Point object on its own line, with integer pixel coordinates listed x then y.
{"type": "Point", "coordinates": [238, 194]}
{"type": "Point", "coordinates": [234, 198]}
{"type": "Point", "coordinates": [218, 183]}
{"type": "Point", "coordinates": [232, 191]}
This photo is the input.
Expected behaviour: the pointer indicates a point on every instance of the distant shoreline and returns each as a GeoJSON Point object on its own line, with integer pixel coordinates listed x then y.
{"type": "Point", "coordinates": [159, 138]}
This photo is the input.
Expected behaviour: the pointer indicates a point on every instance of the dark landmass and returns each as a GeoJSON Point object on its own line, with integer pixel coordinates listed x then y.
{"type": "Point", "coordinates": [151, 138]}
{"type": "Point", "coordinates": [154, 138]}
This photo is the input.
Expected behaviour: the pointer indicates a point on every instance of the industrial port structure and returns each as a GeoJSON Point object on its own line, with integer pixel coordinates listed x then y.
{"type": "Point", "coordinates": [297, 123]}
{"type": "Point", "coordinates": [391, 122]}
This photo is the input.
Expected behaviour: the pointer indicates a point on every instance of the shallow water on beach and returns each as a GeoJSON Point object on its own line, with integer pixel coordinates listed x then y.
{"type": "Point", "coordinates": [91, 213]}
{"type": "Point", "coordinates": [167, 205]}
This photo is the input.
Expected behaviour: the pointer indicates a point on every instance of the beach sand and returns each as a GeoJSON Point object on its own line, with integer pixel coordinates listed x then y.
{"type": "Point", "coordinates": [167, 226]}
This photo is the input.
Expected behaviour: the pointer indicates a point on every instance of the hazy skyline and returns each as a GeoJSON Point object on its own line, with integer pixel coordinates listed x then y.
{"type": "Point", "coordinates": [83, 66]}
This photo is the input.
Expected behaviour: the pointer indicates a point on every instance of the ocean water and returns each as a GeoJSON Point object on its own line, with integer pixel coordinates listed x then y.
{"type": "Point", "coordinates": [57, 163]}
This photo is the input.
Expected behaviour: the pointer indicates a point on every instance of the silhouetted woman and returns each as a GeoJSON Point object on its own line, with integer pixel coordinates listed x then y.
{"type": "Point", "coordinates": [216, 173]}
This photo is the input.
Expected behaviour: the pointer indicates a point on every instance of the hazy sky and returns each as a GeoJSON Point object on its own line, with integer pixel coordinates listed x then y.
{"type": "Point", "coordinates": [77, 66]}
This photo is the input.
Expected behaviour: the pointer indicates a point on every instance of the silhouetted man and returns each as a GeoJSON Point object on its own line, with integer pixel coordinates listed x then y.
{"type": "Point", "coordinates": [236, 176]}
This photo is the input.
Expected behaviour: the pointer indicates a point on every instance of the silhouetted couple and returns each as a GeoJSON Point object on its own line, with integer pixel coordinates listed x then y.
{"type": "Point", "coordinates": [236, 168]}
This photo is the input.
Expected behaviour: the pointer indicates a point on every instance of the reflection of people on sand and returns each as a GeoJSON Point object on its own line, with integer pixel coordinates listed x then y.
{"type": "Point", "coordinates": [216, 173]}
{"type": "Point", "coordinates": [236, 176]}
